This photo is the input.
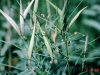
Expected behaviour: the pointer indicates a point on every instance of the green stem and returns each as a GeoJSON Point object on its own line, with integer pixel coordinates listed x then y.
{"type": "Point", "coordinates": [67, 50]}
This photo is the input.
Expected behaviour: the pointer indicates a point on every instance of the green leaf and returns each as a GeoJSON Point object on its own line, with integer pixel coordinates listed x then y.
{"type": "Point", "coordinates": [92, 23]}
{"type": "Point", "coordinates": [47, 43]}
{"type": "Point", "coordinates": [60, 12]}
{"type": "Point", "coordinates": [57, 9]}
{"type": "Point", "coordinates": [26, 72]}
{"type": "Point", "coordinates": [36, 5]}
{"type": "Point", "coordinates": [21, 18]}
{"type": "Point", "coordinates": [11, 21]}
{"type": "Point", "coordinates": [31, 44]}
{"type": "Point", "coordinates": [64, 7]}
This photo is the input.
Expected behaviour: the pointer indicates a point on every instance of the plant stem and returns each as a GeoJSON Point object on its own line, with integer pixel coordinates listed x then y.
{"type": "Point", "coordinates": [85, 48]}
{"type": "Point", "coordinates": [67, 42]}
{"type": "Point", "coordinates": [67, 50]}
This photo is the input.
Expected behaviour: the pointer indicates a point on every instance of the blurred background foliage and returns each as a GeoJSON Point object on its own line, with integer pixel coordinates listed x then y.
{"type": "Point", "coordinates": [87, 24]}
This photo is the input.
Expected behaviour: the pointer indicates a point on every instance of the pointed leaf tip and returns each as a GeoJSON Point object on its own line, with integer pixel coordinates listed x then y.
{"type": "Point", "coordinates": [76, 16]}
{"type": "Point", "coordinates": [27, 9]}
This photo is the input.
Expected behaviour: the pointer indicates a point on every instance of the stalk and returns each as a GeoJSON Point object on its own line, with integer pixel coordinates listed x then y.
{"type": "Point", "coordinates": [67, 53]}
{"type": "Point", "coordinates": [67, 42]}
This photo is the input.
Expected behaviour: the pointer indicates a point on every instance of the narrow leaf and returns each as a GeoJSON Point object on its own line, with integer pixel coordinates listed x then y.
{"type": "Point", "coordinates": [63, 13]}
{"type": "Point", "coordinates": [47, 43]}
{"type": "Point", "coordinates": [21, 19]}
{"type": "Point", "coordinates": [64, 7]}
{"type": "Point", "coordinates": [35, 9]}
{"type": "Point", "coordinates": [36, 5]}
{"type": "Point", "coordinates": [27, 9]}
{"type": "Point", "coordinates": [31, 44]}
{"type": "Point", "coordinates": [57, 9]}
{"type": "Point", "coordinates": [77, 15]}
{"type": "Point", "coordinates": [11, 21]}
{"type": "Point", "coordinates": [86, 43]}
{"type": "Point", "coordinates": [92, 23]}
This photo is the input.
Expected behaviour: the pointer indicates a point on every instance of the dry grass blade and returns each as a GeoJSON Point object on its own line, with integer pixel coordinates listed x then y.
{"type": "Point", "coordinates": [27, 9]}
{"type": "Point", "coordinates": [76, 16]}
{"type": "Point", "coordinates": [31, 44]}
{"type": "Point", "coordinates": [11, 21]}
{"type": "Point", "coordinates": [21, 18]}
{"type": "Point", "coordinates": [54, 36]}
{"type": "Point", "coordinates": [47, 43]}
